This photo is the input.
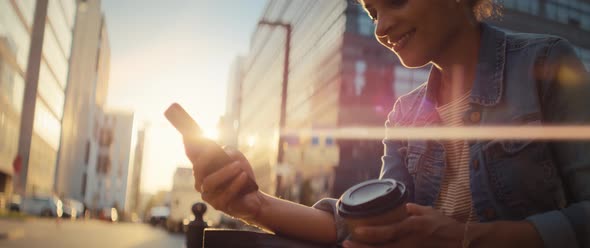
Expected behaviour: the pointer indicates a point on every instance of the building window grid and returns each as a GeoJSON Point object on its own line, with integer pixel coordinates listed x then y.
{"type": "Point", "coordinates": [27, 9]}
{"type": "Point", "coordinates": [46, 125]}
{"type": "Point", "coordinates": [273, 74]}
{"type": "Point", "coordinates": [8, 134]}
{"type": "Point", "coordinates": [52, 53]}
{"type": "Point", "coordinates": [310, 75]}
{"type": "Point", "coordinates": [60, 27]}
{"type": "Point", "coordinates": [563, 11]}
{"type": "Point", "coordinates": [325, 84]}
{"type": "Point", "coordinates": [16, 31]}
{"type": "Point", "coordinates": [327, 36]}
{"type": "Point", "coordinates": [259, 65]}
{"type": "Point", "coordinates": [326, 28]}
{"type": "Point", "coordinates": [294, 55]}
{"type": "Point", "coordinates": [12, 86]}
{"type": "Point", "coordinates": [69, 8]}
{"type": "Point", "coordinates": [320, 51]}
{"type": "Point", "coordinates": [311, 48]}
{"type": "Point", "coordinates": [50, 91]}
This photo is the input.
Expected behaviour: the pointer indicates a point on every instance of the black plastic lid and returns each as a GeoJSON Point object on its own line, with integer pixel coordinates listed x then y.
{"type": "Point", "coordinates": [372, 197]}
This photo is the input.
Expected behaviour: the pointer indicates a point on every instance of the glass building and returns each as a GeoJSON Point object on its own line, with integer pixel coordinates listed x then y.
{"type": "Point", "coordinates": [15, 23]}
{"type": "Point", "coordinates": [18, 38]}
{"type": "Point", "coordinates": [569, 19]}
{"type": "Point", "coordinates": [339, 76]}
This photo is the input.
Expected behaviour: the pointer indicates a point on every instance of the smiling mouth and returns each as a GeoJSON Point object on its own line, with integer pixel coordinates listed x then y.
{"type": "Point", "coordinates": [402, 41]}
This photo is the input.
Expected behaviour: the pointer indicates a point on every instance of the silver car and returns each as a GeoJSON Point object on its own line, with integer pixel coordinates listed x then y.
{"type": "Point", "coordinates": [46, 206]}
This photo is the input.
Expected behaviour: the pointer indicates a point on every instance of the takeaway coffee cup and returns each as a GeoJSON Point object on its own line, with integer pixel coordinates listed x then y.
{"type": "Point", "coordinates": [373, 203]}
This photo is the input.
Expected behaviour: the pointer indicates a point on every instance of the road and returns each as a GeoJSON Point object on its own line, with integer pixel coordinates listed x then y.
{"type": "Point", "coordinates": [47, 233]}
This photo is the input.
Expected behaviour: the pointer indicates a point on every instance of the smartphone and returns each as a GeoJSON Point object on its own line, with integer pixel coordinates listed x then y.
{"type": "Point", "coordinates": [187, 126]}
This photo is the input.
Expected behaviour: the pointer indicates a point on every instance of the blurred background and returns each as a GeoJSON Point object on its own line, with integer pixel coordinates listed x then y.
{"type": "Point", "coordinates": [84, 84]}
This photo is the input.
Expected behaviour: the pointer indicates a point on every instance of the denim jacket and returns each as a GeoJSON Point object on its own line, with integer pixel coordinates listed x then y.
{"type": "Point", "coordinates": [521, 79]}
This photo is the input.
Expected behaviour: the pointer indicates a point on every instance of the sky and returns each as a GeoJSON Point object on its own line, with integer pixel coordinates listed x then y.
{"type": "Point", "coordinates": [165, 51]}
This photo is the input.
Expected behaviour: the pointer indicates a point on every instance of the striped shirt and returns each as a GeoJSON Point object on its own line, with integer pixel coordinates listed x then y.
{"type": "Point", "coordinates": [455, 194]}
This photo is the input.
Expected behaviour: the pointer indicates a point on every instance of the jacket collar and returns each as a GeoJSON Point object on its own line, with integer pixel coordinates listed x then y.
{"type": "Point", "coordinates": [488, 85]}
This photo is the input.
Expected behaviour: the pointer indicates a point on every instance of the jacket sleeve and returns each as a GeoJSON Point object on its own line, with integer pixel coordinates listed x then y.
{"type": "Point", "coordinates": [394, 165]}
{"type": "Point", "coordinates": [566, 101]}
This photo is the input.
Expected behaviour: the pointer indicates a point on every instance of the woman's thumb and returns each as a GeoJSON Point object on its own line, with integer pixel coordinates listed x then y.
{"type": "Point", "coordinates": [418, 210]}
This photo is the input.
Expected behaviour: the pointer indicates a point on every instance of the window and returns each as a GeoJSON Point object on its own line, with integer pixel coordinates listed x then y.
{"type": "Point", "coordinates": [359, 80]}
{"type": "Point", "coordinates": [46, 125]}
{"type": "Point", "coordinates": [50, 91]}
{"type": "Point", "coordinates": [15, 30]}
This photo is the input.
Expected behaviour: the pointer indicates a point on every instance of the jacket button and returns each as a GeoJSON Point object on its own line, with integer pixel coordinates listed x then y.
{"type": "Point", "coordinates": [475, 117]}
{"type": "Point", "coordinates": [475, 164]}
{"type": "Point", "coordinates": [490, 213]}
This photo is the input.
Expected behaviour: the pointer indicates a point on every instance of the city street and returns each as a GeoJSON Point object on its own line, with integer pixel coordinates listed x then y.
{"type": "Point", "coordinates": [91, 233]}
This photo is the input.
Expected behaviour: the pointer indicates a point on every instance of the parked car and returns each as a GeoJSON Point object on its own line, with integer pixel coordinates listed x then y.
{"type": "Point", "coordinates": [109, 214]}
{"type": "Point", "coordinates": [158, 216]}
{"type": "Point", "coordinates": [72, 208]}
{"type": "Point", "coordinates": [15, 203]}
{"type": "Point", "coordinates": [45, 206]}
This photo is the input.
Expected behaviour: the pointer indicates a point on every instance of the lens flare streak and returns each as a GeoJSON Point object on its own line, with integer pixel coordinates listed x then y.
{"type": "Point", "coordinates": [449, 133]}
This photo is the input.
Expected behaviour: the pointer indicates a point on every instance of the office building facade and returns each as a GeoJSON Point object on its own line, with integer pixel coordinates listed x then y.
{"type": "Point", "coordinates": [88, 81]}
{"type": "Point", "coordinates": [109, 178]}
{"type": "Point", "coordinates": [135, 183]}
{"type": "Point", "coordinates": [36, 39]}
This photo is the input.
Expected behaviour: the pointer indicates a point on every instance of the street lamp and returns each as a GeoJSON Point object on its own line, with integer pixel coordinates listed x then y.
{"type": "Point", "coordinates": [283, 114]}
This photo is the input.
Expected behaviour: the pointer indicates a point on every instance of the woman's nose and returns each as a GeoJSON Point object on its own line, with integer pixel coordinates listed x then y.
{"type": "Point", "coordinates": [382, 30]}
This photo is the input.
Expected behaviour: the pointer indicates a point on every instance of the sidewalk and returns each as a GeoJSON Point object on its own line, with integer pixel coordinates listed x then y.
{"type": "Point", "coordinates": [11, 229]}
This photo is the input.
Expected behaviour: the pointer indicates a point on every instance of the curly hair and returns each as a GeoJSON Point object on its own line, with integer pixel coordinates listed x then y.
{"type": "Point", "coordinates": [484, 9]}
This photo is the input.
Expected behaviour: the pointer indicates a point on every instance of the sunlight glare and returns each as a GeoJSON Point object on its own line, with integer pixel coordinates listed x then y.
{"type": "Point", "coordinates": [211, 133]}
{"type": "Point", "coordinates": [252, 140]}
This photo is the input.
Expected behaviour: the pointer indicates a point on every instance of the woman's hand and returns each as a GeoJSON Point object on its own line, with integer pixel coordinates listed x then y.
{"type": "Point", "coordinates": [426, 227]}
{"type": "Point", "coordinates": [221, 188]}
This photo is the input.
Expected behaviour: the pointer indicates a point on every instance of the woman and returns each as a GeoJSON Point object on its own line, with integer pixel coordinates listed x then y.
{"type": "Point", "coordinates": [463, 193]}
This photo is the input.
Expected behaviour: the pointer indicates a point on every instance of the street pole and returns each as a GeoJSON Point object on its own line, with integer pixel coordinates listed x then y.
{"type": "Point", "coordinates": [30, 95]}
{"type": "Point", "coordinates": [284, 91]}
{"type": "Point", "coordinates": [285, 86]}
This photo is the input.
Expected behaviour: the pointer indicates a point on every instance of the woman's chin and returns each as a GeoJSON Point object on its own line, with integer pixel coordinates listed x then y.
{"type": "Point", "coordinates": [412, 62]}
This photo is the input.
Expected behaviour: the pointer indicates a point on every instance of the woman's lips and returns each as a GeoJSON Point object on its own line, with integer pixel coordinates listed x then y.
{"type": "Point", "coordinates": [402, 41]}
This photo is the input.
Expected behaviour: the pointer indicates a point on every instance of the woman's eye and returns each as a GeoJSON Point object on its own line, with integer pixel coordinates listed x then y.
{"type": "Point", "coordinates": [374, 20]}
{"type": "Point", "coordinates": [373, 16]}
